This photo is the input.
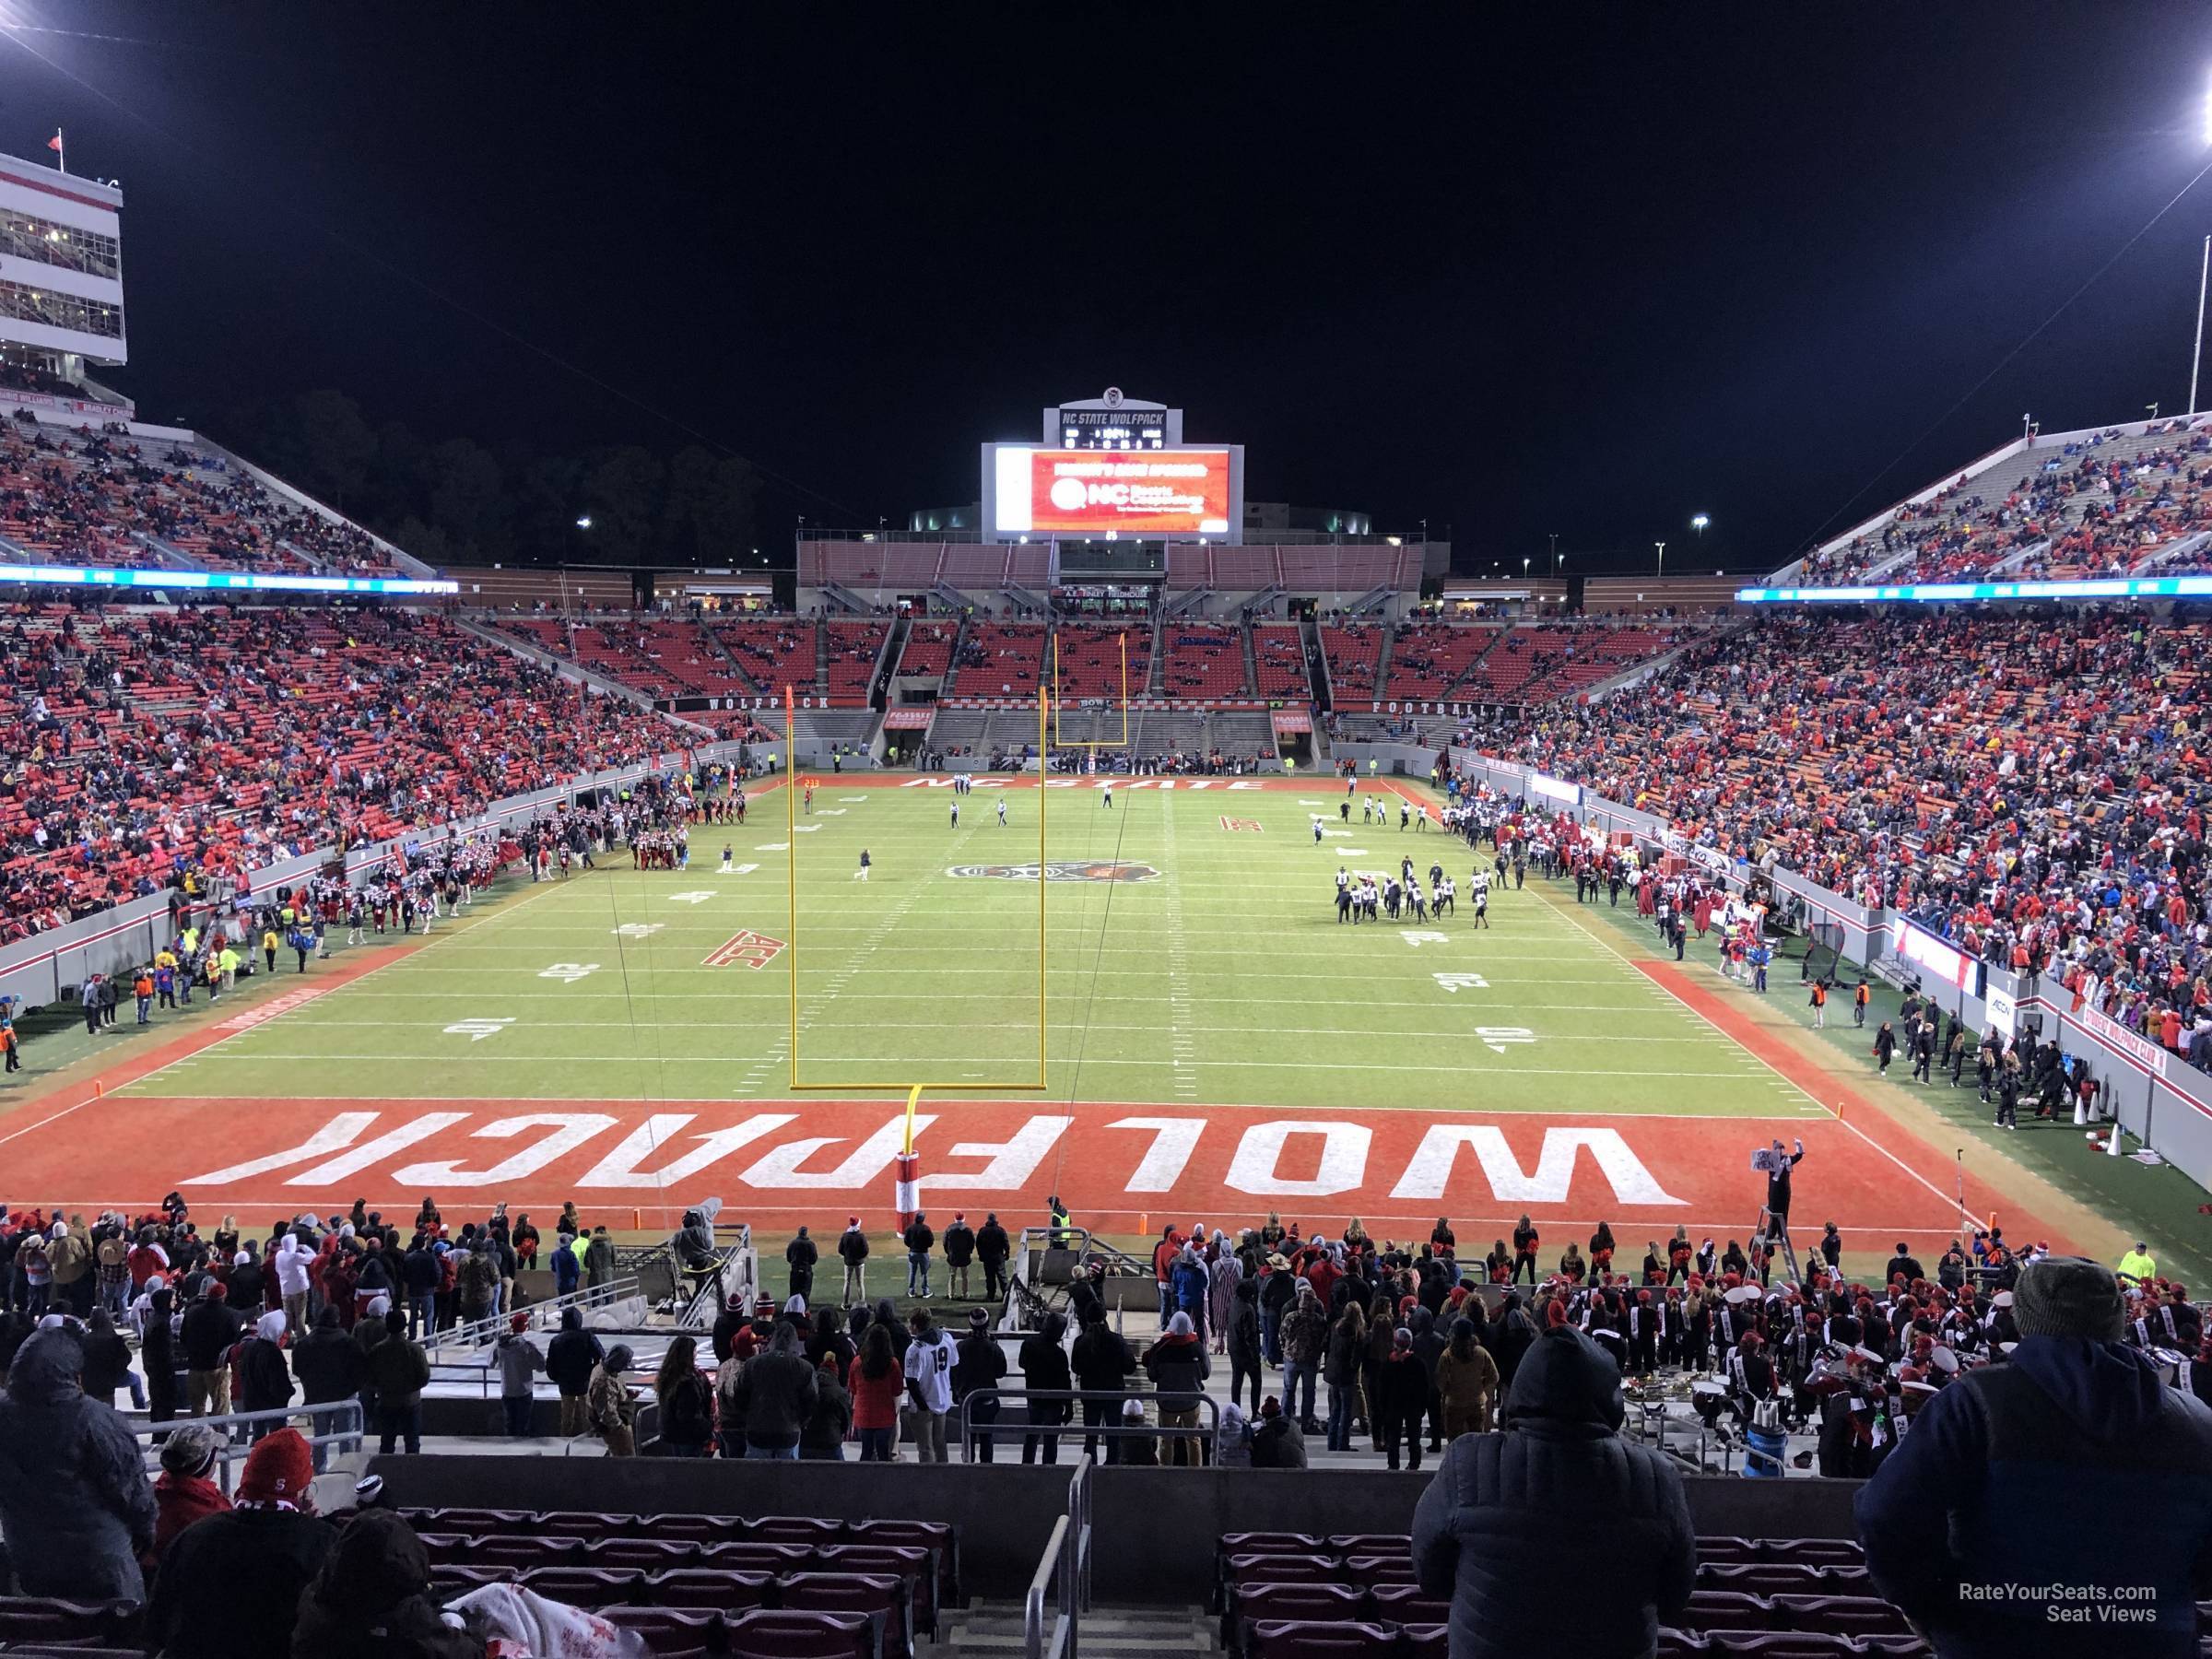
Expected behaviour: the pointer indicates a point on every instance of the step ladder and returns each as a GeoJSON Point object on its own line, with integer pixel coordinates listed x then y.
{"type": "Point", "coordinates": [1789, 1251]}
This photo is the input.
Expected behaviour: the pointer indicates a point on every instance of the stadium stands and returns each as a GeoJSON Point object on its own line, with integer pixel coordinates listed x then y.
{"type": "Point", "coordinates": [1278, 654]}
{"type": "Point", "coordinates": [142, 743]}
{"type": "Point", "coordinates": [2026, 785]}
{"type": "Point", "coordinates": [1090, 657]}
{"type": "Point", "coordinates": [659, 657]}
{"type": "Point", "coordinates": [1427, 659]}
{"type": "Point", "coordinates": [774, 652]}
{"type": "Point", "coordinates": [1536, 663]}
{"type": "Point", "coordinates": [999, 659]}
{"type": "Point", "coordinates": [853, 651]}
{"type": "Point", "coordinates": [1203, 659]}
{"type": "Point", "coordinates": [927, 653]}
{"type": "Point", "coordinates": [1355, 656]}
{"type": "Point", "coordinates": [111, 499]}
{"type": "Point", "coordinates": [2095, 504]}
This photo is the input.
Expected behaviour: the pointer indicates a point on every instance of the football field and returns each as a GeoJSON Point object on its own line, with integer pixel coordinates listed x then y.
{"type": "Point", "coordinates": [1215, 1041]}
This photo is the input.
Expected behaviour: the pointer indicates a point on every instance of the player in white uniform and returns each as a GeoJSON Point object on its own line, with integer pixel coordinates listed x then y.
{"type": "Point", "coordinates": [956, 813]}
{"type": "Point", "coordinates": [1001, 812]}
{"type": "Point", "coordinates": [1317, 829]}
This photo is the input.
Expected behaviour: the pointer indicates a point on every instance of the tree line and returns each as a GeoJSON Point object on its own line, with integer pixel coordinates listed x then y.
{"type": "Point", "coordinates": [461, 502]}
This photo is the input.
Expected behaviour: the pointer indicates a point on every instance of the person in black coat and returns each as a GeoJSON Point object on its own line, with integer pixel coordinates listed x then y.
{"type": "Point", "coordinates": [992, 1248]}
{"type": "Point", "coordinates": [1243, 1342]}
{"type": "Point", "coordinates": [800, 1255]}
{"type": "Point", "coordinates": [157, 1356]}
{"type": "Point", "coordinates": [1102, 1360]}
{"type": "Point", "coordinates": [1278, 1442]}
{"type": "Point", "coordinates": [1400, 1396]}
{"type": "Point", "coordinates": [979, 1365]}
{"type": "Point", "coordinates": [959, 1254]}
{"type": "Point", "coordinates": [1044, 1367]}
{"type": "Point", "coordinates": [1504, 1510]}
{"type": "Point", "coordinates": [570, 1358]}
{"type": "Point", "coordinates": [1510, 1336]}
{"type": "Point", "coordinates": [328, 1366]}
{"type": "Point", "coordinates": [107, 1357]}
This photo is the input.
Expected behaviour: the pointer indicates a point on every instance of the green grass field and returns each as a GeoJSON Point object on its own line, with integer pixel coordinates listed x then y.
{"type": "Point", "coordinates": [1225, 977]}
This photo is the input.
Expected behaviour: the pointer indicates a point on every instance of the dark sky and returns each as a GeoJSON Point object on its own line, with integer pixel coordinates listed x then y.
{"type": "Point", "coordinates": [1591, 278]}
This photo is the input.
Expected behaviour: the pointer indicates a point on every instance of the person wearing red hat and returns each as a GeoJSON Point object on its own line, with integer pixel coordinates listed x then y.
{"type": "Point", "coordinates": [230, 1587]}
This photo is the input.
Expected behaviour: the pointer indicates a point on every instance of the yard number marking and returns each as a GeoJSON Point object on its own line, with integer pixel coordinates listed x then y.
{"type": "Point", "coordinates": [1495, 1038]}
{"type": "Point", "coordinates": [475, 1030]}
{"type": "Point", "coordinates": [1463, 982]}
{"type": "Point", "coordinates": [568, 973]}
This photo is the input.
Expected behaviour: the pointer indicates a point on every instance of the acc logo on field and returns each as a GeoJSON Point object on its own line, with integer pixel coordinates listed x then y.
{"type": "Point", "coordinates": [1059, 870]}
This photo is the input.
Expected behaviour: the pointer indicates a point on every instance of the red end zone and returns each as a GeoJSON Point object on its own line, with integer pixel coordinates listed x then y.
{"type": "Point", "coordinates": [1120, 1168]}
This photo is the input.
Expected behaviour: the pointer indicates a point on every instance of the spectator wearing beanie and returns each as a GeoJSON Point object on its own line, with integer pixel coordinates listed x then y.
{"type": "Point", "coordinates": [2076, 1424]}
{"type": "Point", "coordinates": [230, 1587]}
{"type": "Point", "coordinates": [184, 1491]}
{"type": "Point", "coordinates": [75, 1504]}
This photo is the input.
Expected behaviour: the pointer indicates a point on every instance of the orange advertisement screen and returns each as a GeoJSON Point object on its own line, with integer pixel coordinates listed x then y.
{"type": "Point", "coordinates": [1151, 492]}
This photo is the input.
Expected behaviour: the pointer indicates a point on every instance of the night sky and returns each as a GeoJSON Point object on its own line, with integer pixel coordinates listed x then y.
{"type": "Point", "coordinates": [1588, 279]}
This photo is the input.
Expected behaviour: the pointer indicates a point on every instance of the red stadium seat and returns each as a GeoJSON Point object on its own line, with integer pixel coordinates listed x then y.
{"type": "Point", "coordinates": [1302, 1639]}
{"type": "Point", "coordinates": [588, 1587]}
{"type": "Point", "coordinates": [1726, 1610]}
{"type": "Point", "coordinates": [1842, 1615]}
{"type": "Point", "coordinates": [525, 1553]}
{"type": "Point", "coordinates": [1409, 1604]}
{"type": "Point", "coordinates": [778, 1634]}
{"type": "Point", "coordinates": [1425, 1641]}
{"type": "Point", "coordinates": [1763, 1578]}
{"type": "Point", "coordinates": [1779, 1644]}
{"type": "Point", "coordinates": [708, 1587]}
{"type": "Point", "coordinates": [877, 1595]}
{"type": "Point", "coordinates": [667, 1632]}
{"type": "Point", "coordinates": [793, 1529]}
{"type": "Point", "coordinates": [651, 1555]}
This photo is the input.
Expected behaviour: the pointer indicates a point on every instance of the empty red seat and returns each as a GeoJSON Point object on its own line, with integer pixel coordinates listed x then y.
{"type": "Point", "coordinates": [1271, 1542]}
{"type": "Point", "coordinates": [1261, 1603]}
{"type": "Point", "coordinates": [793, 1529]}
{"type": "Point", "coordinates": [1679, 1644]}
{"type": "Point", "coordinates": [1425, 1641]}
{"type": "Point", "coordinates": [757, 1558]}
{"type": "Point", "coordinates": [1395, 1568]}
{"type": "Point", "coordinates": [670, 1632]}
{"type": "Point", "coordinates": [1306, 1639]}
{"type": "Point", "coordinates": [777, 1634]}
{"type": "Point", "coordinates": [936, 1537]}
{"type": "Point", "coordinates": [591, 1587]}
{"type": "Point", "coordinates": [1370, 1544]}
{"type": "Point", "coordinates": [1779, 1644]}
{"type": "Point", "coordinates": [525, 1553]}
{"type": "Point", "coordinates": [1762, 1578]}
{"type": "Point", "coordinates": [1409, 1604]}
{"type": "Point", "coordinates": [48, 1619]}
{"type": "Point", "coordinates": [1726, 1610]}
{"type": "Point", "coordinates": [911, 1565]}
{"type": "Point", "coordinates": [707, 1587]}
{"type": "Point", "coordinates": [1718, 1550]}
{"type": "Point", "coordinates": [1820, 1552]}
{"type": "Point", "coordinates": [1844, 1614]}
{"type": "Point", "coordinates": [651, 1555]}
{"type": "Point", "coordinates": [479, 1523]}
{"type": "Point", "coordinates": [696, 1529]}
{"type": "Point", "coordinates": [1281, 1569]}
{"type": "Point", "coordinates": [583, 1523]}
{"type": "Point", "coordinates": [878, 1595]}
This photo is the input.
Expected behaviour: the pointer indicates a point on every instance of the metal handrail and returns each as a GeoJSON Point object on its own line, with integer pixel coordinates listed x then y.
{"type": "Point", "coordinates": [476, 1333]}
{"type": "Point", "coordinates": [736, 1278]}
{"type": "Point", "coordinates": [969, 1428]}
{"type": "Point", "coordinates": [1065, 1568]}
{"type": "Point", "coordinates": [345, 1435]}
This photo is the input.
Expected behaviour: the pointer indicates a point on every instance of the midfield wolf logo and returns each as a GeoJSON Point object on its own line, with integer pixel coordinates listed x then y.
{"type": "Point", "coordinates": [1089, 869]}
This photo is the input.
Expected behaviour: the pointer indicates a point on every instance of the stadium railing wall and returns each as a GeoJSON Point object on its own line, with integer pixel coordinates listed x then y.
{"type": "Point", "coordinates": [37, 969]}
{"type": "Point", "coordinates": [2153, 1094]}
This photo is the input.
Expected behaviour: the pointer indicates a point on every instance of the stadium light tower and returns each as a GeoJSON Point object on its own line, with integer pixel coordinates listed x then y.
{"type": "Point", "coordinates": [1661, 546]}
{"type": "Point", "coordinates": [584, 522]}
{"type": "Point", "coordinates": [1699, 523]}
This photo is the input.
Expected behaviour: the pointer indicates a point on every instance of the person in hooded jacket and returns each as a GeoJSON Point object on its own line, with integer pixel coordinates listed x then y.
{"type": "Point", "coordinates": [1179, 1366]}
{"type": "Point", "coordinates": [106, 1360]}
{"type": "Point", "coordinates": [979, 1367]}
{"type": "Point", "coordinates": [800, 1256]}
{"type": "Point", "coordinates": [823, 1439]}
{"type": "Point", "coordinates": [1504, 1510]}
{"type": "Point", "coordinates": [1243, 1341]}
{"type": "Point", "coordinates": [770, 1397]}
{"type": "Point", "coordinates": [76, 1506]}
{"type": "Point", "coordinates": [570, 1358]}
{"type": "Point", "coordinates": [1102, 1362]}
{"type": "Point", "coordinates": [158, 1358]}
{"type": "Point", "coordinates": [2074, 1424]}
{"type": "Point", "coordinates": [1511, 1334]}
{"type": "Point", "coordinates": [372, 1600]}
{"type": "Point", "coordinates": [1278, 1442]}
{"type": "Point", "coordinates": [230, 1587]}
{"type": "Point", "coordinates": [264, 1381]}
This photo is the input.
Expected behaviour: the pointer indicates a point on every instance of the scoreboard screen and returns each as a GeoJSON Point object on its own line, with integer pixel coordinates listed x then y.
{"type": "Point", "coordinates": [1160, 492]}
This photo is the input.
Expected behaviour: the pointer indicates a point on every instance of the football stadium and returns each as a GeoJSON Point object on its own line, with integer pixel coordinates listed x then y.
{"type": "Point", "coordinates": [1224, 1078]}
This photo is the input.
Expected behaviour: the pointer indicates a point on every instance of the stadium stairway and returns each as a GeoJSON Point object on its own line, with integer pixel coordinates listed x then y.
{"type": "Point", "coordinates": [1107, 1632]}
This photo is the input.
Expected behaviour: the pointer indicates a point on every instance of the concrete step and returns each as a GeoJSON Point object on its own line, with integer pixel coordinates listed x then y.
{"type": "Point", "coordinates": [1105, 1632]}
